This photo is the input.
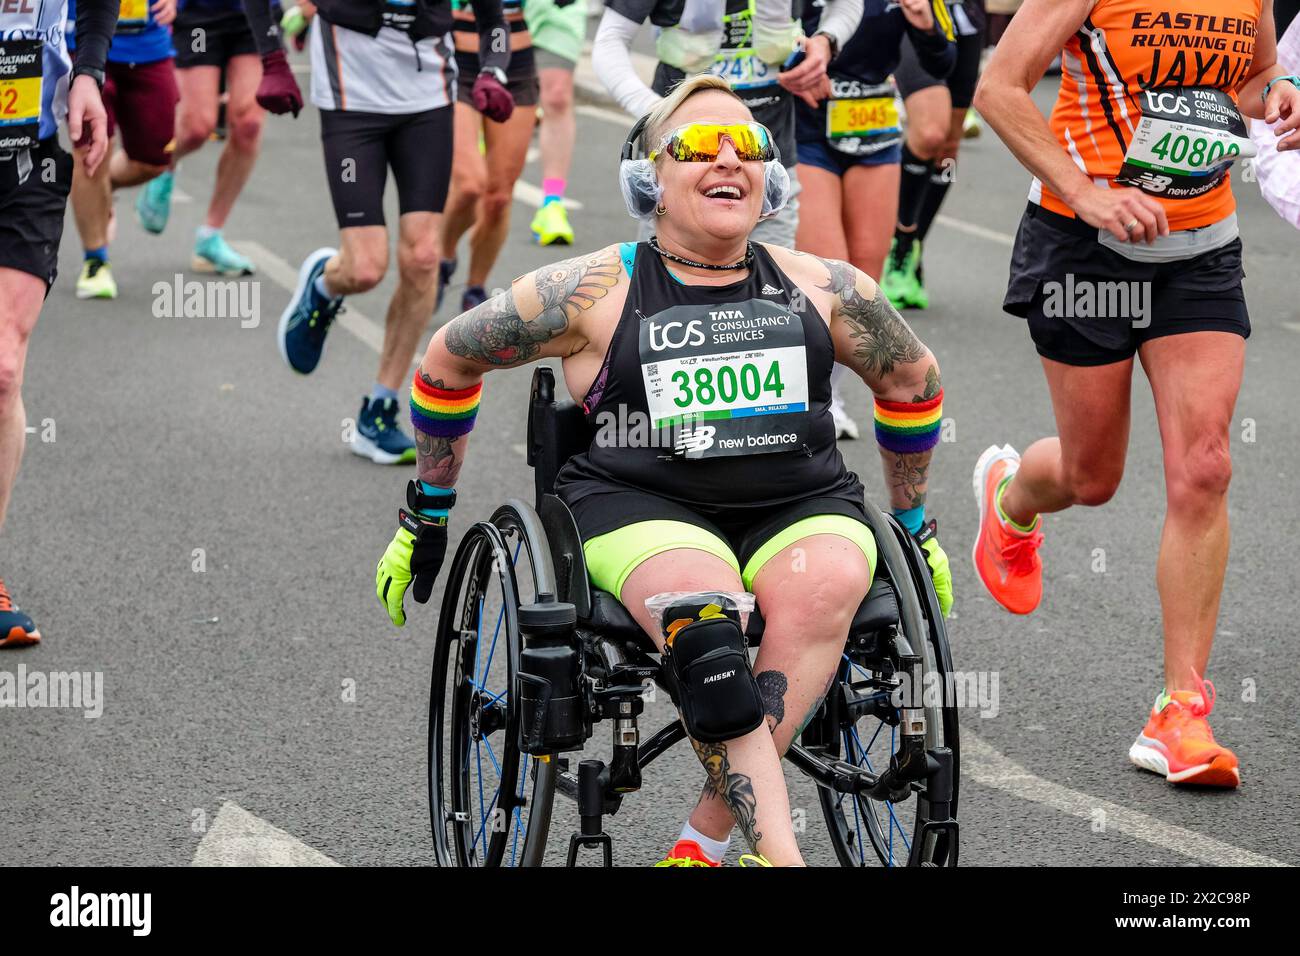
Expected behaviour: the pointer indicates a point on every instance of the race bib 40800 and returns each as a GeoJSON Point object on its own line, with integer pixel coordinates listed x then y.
{"type": "Point", "coordinates": [1185, 142]}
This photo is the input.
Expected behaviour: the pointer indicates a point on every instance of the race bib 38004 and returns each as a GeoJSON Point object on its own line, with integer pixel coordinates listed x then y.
{"type": "Point", "coordinates": [1185, 142]}
{"type": "Point", "coordinates": [730, 379]}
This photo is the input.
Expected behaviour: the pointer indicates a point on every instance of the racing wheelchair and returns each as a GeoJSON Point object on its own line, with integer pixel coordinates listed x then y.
{"type": "Point", "coordinates": [529, 658]}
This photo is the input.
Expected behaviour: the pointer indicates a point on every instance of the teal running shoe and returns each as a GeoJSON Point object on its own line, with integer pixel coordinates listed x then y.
{"type": "Point", "coordinates": [153, 205]}
{"type": "Point", "coordinates": [212, 255]}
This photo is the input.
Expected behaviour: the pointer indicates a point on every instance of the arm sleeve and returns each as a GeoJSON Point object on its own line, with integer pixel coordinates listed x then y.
{"type": "Point", "coordinates": [488, 19]}
{"type": "Point", "coordinates": [265, 27]}
{"type": "Point", "coordinates": [840, 19]}
{"type": "Point", "coordinates": [935, 48]}
{"type": "Point", "coordinates": [611, 58]}
{"type": "Point", "coordinates": [96, 21]}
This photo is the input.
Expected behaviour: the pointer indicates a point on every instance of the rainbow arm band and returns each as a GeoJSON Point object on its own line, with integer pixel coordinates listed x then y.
{"type": "Point", "coordinates": [906, 428]}
{"type": "Point", "coordinates": [443, 412]}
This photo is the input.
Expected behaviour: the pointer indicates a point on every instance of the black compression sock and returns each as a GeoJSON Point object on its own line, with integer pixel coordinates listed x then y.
{"type": "Point", "coordinates": [936, 188]}
{"type": "Point", "coordinates": [911, 190]}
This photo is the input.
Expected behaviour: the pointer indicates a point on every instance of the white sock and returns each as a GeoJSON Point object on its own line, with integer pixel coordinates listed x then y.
{"type": "Point", "coordinates": [715, 850]}
{"type": "Point", "coordinates": [206, 232]}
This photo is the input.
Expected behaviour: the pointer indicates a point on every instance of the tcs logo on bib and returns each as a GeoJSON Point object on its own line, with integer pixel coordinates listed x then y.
{"type": "Point", "coordinates": [676, 335]}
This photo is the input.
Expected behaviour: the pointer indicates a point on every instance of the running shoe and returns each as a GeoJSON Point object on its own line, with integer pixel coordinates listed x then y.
{"type": "Point", "coordinates": [1006, 558]}
{"type": "Point", "coordinates": [551, 225]}
{"type": "Point", "coordinates": [971, 126]}
{"type": "Point", "coordinates": [686, 853]}
{"type": "Point", "coordinates": [1178, 744]}
{"type": "Point", "coordinates": [845, 427]}
{"type": "Point", "coordinates": [16, 628]}
{"type": "Point", "coordinates": [475, 295]}
{"type": "Point", "coordinates": [307, 318]}
{"type": "Point", "coordinates": [153, 204]}
{"type": "Point", "coordinates": [902, 282]}
{"type": "Point", "coordinates": [96, 280]}
{"type": "Point", "coordinates": [213, 255]}
{"type": "Point", "coordinates": [378, 436]}
{"type": "Point", "coordinates": [446, 269]}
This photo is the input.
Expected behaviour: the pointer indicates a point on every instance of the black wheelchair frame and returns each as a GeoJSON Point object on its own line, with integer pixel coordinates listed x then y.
{"type": "Point", "coordinates": [573, 657]}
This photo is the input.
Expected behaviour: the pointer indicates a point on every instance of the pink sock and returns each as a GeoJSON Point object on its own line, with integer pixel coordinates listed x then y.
{"type": "Point", "coordinates": [553, 188]}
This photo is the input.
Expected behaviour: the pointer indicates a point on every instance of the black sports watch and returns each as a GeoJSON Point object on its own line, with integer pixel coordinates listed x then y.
{"type": "Point", "coordinates": [81, 69]}
{"type": "Point", "coordinates": [418, 501]}
{"type": "Point", "coordinates": [927, 532]}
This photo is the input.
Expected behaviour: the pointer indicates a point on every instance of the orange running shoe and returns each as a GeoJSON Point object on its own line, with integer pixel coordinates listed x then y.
{"type": "Point", "coordinates": [1178, 744]}
{"type": "Point", "coordinates": [686, 853]}
{"type": "Point", "coordinates": [16, 628]}
{"type": "Point", "coordinates": [1006, 559]}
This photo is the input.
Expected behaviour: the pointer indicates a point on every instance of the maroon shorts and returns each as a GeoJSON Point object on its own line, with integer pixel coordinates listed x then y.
{"type": "Point", "coordinates": [141, 99]}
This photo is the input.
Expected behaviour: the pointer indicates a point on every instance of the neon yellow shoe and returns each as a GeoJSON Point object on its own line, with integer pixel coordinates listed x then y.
{"type": "Point", "coordinates": [971, 126]}
{"type": "Point", "coordinates": [96, 281]}
{"type": "Point", "coordinates": [756, 860]}
{"type": "Point", "coordinates": [551, 225]}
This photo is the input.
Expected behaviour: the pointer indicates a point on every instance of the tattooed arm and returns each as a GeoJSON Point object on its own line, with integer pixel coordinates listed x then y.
{"type": "Point", "coordinates": [540, 316]}
{"type": "Point", "coordinates": [872, 339]}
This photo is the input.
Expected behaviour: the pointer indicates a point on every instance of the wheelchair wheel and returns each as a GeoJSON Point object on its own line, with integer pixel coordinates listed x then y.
{"type": "Point", "coordinates": [489, 804]}
{"type": "Point", "coordinates": [866, 831]}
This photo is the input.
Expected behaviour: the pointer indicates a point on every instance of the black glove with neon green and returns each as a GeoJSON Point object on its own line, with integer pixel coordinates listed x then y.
{"type": "Point", "coordinates": [416, 553]}
{"type": "Point", "coordinates": [940, 572]}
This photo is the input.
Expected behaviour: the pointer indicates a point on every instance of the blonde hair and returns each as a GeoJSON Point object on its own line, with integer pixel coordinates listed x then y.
{"type": "Point", "coordinates": [657, 118]}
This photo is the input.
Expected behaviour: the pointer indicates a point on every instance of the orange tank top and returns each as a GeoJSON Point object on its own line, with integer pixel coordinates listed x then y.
{"type": "Point", "coordinates": [1126, 48]}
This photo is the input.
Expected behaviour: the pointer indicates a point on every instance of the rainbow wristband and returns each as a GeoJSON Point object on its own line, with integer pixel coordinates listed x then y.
{"type": "Point", "coordinates": [906, 428]}
{"type": "Point", "coordinates": [443, 412]}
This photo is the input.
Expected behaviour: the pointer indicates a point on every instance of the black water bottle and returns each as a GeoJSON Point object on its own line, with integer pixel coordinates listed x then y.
{"type": "Point", "coordinates": [550, 699]}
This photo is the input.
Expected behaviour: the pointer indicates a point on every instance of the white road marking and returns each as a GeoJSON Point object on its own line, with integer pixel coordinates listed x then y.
{"type": "Point", "coordinates": [239, 838]}
{"type": "Point", "coordinates": [971, 229]}
{"type": "Point", "coordinates": [986, 766]}
{"type": "Point", "coordinates": [532, 154]}
{"type": "Point", "coordinates": [1291, 326]}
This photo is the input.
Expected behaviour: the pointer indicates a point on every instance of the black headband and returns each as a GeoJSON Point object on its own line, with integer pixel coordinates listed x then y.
{"type": "Point", "coordinates": [629, 144]}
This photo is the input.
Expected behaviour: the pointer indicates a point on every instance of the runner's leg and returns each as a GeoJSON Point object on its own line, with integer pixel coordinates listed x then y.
{"type": "Point", "coordinates": [21, 297]}
{"type": "Point", "coordinates": [1195, 378]}
{"type": "Point", "coordinates": [196, 115]}
{"type": "Point", "coordinates": [559, 125]}
{"type": "Point", "coordinates": [361, 262]}
{"type": "Point", "coordinates": [468, 179]}
{"type": "Point", "coordinates": [1083, 464]}
{"type": "Point", "coordinates": [507, 147]}
{"type": "Point", "coordinates": [244, 120]}
{"type": "Point", "coordinates": [412, 303]}
{"type": "Point", "coordinates": [821, 228]}
{"type": "Point", "coordinates": [866, 220]}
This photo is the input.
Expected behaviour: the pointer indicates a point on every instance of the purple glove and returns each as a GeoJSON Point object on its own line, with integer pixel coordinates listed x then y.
{"type": "Point", "coordinates": [491, 98]}
{"type": "Point", "coordinates": [278, 91]}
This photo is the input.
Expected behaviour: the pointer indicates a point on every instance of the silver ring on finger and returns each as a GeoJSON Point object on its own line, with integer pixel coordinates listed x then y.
{"type": "Point", "coordinates": [1129, 227]}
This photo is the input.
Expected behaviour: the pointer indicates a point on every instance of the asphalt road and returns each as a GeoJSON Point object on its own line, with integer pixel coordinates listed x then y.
{"type": "Point", "coordinates": [232, 684]}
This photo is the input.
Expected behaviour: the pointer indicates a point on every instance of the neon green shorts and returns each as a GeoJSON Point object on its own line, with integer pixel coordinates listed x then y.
{"type": "Point", "coordinates": [557, 30]}
{"type": "Point", "coordinates": [612, 557]}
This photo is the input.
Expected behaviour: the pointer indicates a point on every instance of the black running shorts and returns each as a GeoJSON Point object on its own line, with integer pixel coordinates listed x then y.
{"type": "Point", "coordinates": [361, 147]}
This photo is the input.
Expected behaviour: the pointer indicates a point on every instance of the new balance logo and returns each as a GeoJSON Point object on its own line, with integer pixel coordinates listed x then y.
{"type": "Point", "coordinates": [695, 439]}
{"type": "Point", "coordinates": [768, 290]}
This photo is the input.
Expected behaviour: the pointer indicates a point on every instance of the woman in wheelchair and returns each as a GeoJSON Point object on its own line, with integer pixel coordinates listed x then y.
{"type": "Point", "coordinates": [704, 361]}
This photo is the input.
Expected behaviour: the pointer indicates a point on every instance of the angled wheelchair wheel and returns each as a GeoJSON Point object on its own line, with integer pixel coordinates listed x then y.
{"type": "Point", "coordinates": [489, 803]}
{"type": "Point", "coordinates": [866, 831]}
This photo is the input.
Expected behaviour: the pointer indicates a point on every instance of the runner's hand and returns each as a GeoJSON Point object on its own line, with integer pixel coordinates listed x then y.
{"type": "Point", "coordinates": [87, 123]}
{"type": "Point", "coordinates": [1119, 207]}
{"type": "Point", "coordinates": [1283, 107]}
{"type": "Point", "coordinates": [940, 572]}
{"type": "Point", "coordinates": [164, 11]}
{"type": "Point", "coordinates": [278, 92]}
{"type": "Point", "coordinates": [919, 13]}
{"type": "Point", "coordinates": [415, 554]}
{"type": "Point", "coordinates": [491, 98]}
{"type": "Point", "coordinates": [808, 77]}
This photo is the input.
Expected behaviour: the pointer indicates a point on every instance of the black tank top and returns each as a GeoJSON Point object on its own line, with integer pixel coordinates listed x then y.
{"type": "Point", "coordinates": [713, 396]}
